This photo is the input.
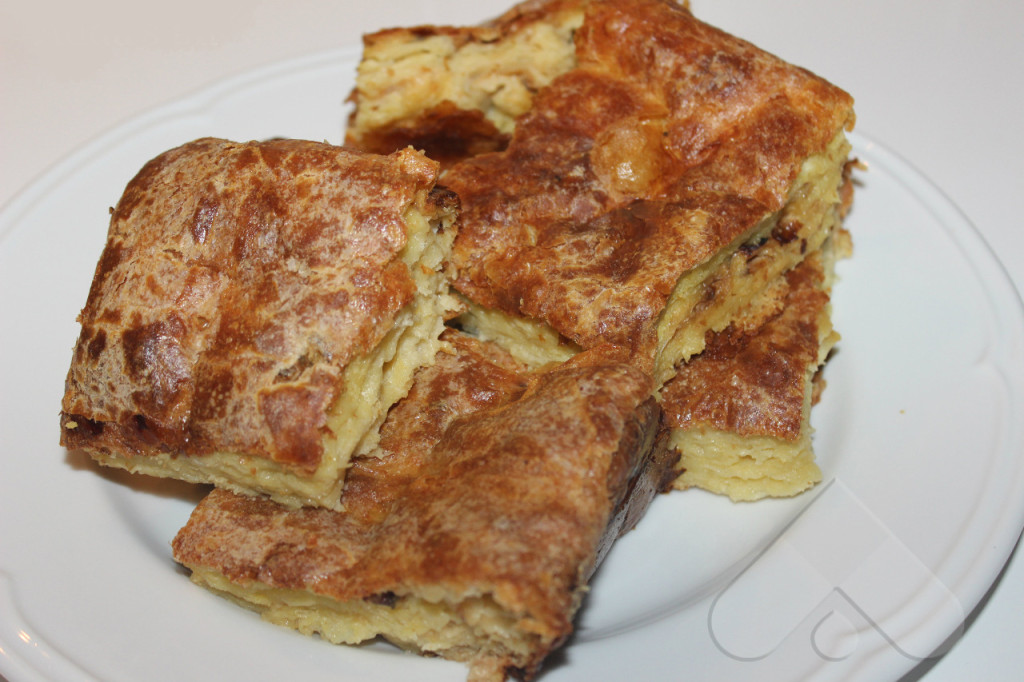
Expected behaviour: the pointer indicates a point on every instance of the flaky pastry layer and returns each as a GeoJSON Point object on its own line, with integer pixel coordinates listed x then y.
{"type": "Point", "coordinates": [635, 187]}
{"type": "Point", "coordinates": [257, 309]}
{"type": "Point", "coordinates": [739, 414]}
{"type": "Point", "coordinates": [473, 532]}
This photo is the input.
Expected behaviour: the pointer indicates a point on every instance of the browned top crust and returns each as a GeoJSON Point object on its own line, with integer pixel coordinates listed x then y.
{"type": "Point", "coordinates": [668, 141]}
{"type": "Point", "coordinates": [753, 382]}
{"type": "Point", "coordinates": [492, 482]}
{"type": "Point", "coordinates": [236, 283]}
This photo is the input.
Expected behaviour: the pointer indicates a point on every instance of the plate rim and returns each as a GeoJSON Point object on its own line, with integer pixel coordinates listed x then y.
{"type": "Point", "coordinates": [27, 198]}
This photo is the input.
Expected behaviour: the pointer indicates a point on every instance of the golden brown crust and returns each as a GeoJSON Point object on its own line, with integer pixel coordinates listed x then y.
{"type": "Point", "coordinates": [492, 482]}
{"type": "Point", "coordinates": [669, 140]}
{"type": "Point", "coordinates": [237, 282]}
{"type": "Point", "coordinates": [754, 381]}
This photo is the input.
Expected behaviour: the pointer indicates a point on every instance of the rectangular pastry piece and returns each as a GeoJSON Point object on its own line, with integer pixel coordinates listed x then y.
{"type": "Point", "coordinates": [739, 413]}
{"type": "Point", "coordinates": [473, 534]}
{"type": "Point", "coordinates": [257, 309]}
{"type": "Point", "coordinates": [649, 185]}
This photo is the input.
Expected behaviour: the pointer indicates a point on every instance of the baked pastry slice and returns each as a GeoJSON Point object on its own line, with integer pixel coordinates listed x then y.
{"type": "Point", "coordinates": [474, 533]}
{"type": "Point", "coordinates": [739, 413]}
{"type": "Point", "coordinates": [256, 311]}
{"type": "Point", "coordinates": [666, 176]}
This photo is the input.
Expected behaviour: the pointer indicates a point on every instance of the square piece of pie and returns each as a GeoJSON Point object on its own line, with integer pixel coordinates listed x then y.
{"type": "Point", "coordinates": [627, 173]}
{"type": "Point", "coordinates": [257, 309]}
{"type": "Point", "coordinates": [473, 533]}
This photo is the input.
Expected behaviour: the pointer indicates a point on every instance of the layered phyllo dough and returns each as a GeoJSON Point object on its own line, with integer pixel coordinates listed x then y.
{"type": "Point", "coordinates": [473, 533]}
{"type": "Point", "coordinates": [256, 311]}
{"type": "Point", "coordinates": [739, 413]}
{"type": "Point", "coordinates": [652, 185]}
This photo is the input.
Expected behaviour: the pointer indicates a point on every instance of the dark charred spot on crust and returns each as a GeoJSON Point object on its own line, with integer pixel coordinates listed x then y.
{"type": "Point", "coordinates": [112, 316]}
{"type": "Point", "coordinates": [388, 599]}
{"type": "Point", "coordinates": [112, 256]}
{"type": "Point", "coordinates": [627, 254]}
{"type": "Point", "coordinates": [97, 344]}
{"type": "Point", "coordinates": [248, 156]}
{"type": "Point", "coordinates": [423, 32]}
{"type": "Point", "coordinates": [750, 248]}
{"type": "Point", "coordinates": [785, 232]}
{"type": "Point", "coordinates": [308, 359]}
{"type": "Point", "coordinates": [159, 366]}
{"type": "Point", "coordinates": [82, 426]}
{"type": "Point", "coordinates": [517, 672]}
{"type": "Point", "coordinates": [138, 421]}
{"type": "Point", "coordinates": [146, 346]}
{"type": "Point", "coordinates": [274, 154]}
{"type": "Point", "coordinates": [202, 219]}
{"type": "Point", "coordinates": [445, 133]}
{"type": "Point", "coordinates": [442, 200]}
{"type": "Point", "coordinates": [259, 218]}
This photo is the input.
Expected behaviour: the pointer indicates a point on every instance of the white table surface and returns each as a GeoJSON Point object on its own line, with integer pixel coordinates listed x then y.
{"type": "Point", "coordinates": [939, 81]}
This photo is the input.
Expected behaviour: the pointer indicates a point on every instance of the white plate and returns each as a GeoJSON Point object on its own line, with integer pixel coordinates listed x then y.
{"type": "Point", "coordinates": [867, 574]}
